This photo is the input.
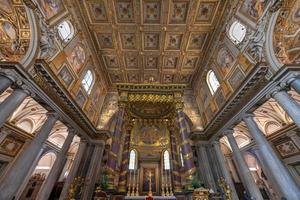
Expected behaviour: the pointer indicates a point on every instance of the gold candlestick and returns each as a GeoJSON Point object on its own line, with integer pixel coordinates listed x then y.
{"type": "Point", "coordinates": [133, 190]}
{"type": "Point", "coordinates": [137, 190]}
{"type": "Point", "coordinates": [129, 189]}
{"type": "Point", "coordinates": [150, 185]}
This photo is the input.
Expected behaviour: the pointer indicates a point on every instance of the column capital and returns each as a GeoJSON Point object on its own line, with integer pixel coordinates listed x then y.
{"type": "Point", "coordinates": [276, 90]}
{"type": "Point", "coordinates": [229, 131]}
{"type": "Point", "coordinates": [247, 115]}
{"type": "Point", "coordinates": [52, 114]}
{"type": "Point", "coordinates": [215, 142]}
{"type": "Point", "coordinates": [292, 134]}
{"type": "Point", "coordinates": [71, 130]}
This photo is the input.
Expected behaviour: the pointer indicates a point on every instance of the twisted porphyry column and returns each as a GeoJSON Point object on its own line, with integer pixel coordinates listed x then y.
{"type": "Point", "coordinates": [175, 164]}
{"type": "Point", "coordinates": [186, 148]}
{"type": "Point", "coordinates": [115, 147]}
{"type": "Point", "coordinates": [125, 161]}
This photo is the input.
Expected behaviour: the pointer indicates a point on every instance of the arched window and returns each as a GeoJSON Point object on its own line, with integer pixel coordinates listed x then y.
{"type": "Point", "coordinates": [132, 160]}
{"type": "Point", "coordinates": [87, 81]}
{"type": "Point", "coordinates": [212, 81]}
{"type": "Point", "coordinates": [167, 160]}
{"type": "Point", "coordinates": [237, 32]}
{"type": "Point", "coordinates": [181, 157]}
{"type": "Point", "coordinates": [65, 31]}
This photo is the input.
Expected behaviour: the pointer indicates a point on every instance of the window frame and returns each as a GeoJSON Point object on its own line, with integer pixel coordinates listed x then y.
{"type": "Point", "coordinates": [68, 37]}
{"type": "Point", "coordinates": [212, 88]}
{"type": "Point", "coordinates": [166, 166]}
{"type": "Point", "coordinates": [134, 161]}
{"type": "Point", "coordinates": [85, 81]}
{"type": "Point", "coordinates": [181, 160]}
{"type": "Point", "coordinates": [232, 32]}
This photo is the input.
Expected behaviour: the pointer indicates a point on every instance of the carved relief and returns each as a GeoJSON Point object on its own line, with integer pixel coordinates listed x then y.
{"type": "Point", "coordinates": [151, 11]}
{"type": "Point", "coordinates": [14, 31]}
{"type": "Point", "coordinates": [124, 11]}
{"type": "Point", "coordinates": [206, 11]}
{"type": "Point", "coordinates": [106, 41]}
{"type": "Point", "coordinates": [179, 10]}
{"type": "Point", "coordinates": [286, 33]}
{"type": "Point", "coordinates": [197, 41]}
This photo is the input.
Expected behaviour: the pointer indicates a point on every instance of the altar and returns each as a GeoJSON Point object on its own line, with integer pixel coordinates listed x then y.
{"type": "Point", "coordinates": [154, 197]}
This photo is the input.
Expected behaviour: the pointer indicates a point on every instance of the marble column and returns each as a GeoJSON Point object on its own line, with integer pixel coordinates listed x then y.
{"type": "Point", "coordinates": [125, 161]}
{"type": "Point", "coordinates": [14, 177]}
{"type": "Point", "coordinates": [232, 169]}
{"type": "Point", "coordinates": [56, 169]}
{"type": "Point", "coordinates": [289, 105]}
{"type": "Point", "coordinates": [115, 148]}
{"type": "Point", "coordinates": [73, 170]}
{"type": "Point", "coordinates": [279, 172]}
{"type": "Point", "coordinates": [244, 171]}
{"type": "Point", "coordinates": [205, 169]}
{"type": "Point", "coordinates": [186, 148]}
{"type": "Point", "coordinates": [175, 165]}
{"type": "Point", "coordinates": [295, 84]}
{"type": "Point", "coordinates": [11, 103]}
{"type": "Point", "coordinates": [4, 83]}
{"type": "Point", "coordinates": [225, 172]}
{"type": "Point", "coordinates": [91, 176]}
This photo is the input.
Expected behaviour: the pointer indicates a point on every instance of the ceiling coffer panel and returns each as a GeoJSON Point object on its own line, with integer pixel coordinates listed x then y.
{"type": "Point", "coordinates": [152, 41]}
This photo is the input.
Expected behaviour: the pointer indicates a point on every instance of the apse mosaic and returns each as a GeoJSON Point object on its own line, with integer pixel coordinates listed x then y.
{"type": "Point", "coordinates": [14, 30]}
{"type": "Point", "coordinates": [152, 40]}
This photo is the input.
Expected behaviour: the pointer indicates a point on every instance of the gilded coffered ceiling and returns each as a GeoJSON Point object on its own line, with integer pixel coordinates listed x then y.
{"type": "Point", "coordinates": [142, 41]}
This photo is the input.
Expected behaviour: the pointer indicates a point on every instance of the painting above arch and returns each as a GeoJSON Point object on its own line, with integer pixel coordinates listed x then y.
{"type": "Point", "coordinates": [253, 9]}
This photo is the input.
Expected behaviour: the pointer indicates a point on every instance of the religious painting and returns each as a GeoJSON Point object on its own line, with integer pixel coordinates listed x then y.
{"type": "Point", "coordinates": [5, 6]}
{"type": "Point", "coordinates": [149, 176]}
{"type": "Point", "coordinates": [287, 148]}
{"type": "Point", "coordinates": [50, 8]}
{"type": "Point", "coordinates": [96, 96]}
{"type": "Point", "coordinates": [253, 9]}
{"type": "Point", "coordinates": [220, 100]}
{"type": "Point", "coordinates": [66, 76]}
{"type": "Point", "coordinates": [225, 60]}
{"type": "Point", "coordinates": [10, 146]}
{"type": "Point", "coordinates": [236, 78]}
{"type": "Point", "coordinates": [244, 62]}
{"type": "Point", "coordinates": [77, 58]}
{"type": "Point", "coordinates": [80, 98]}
